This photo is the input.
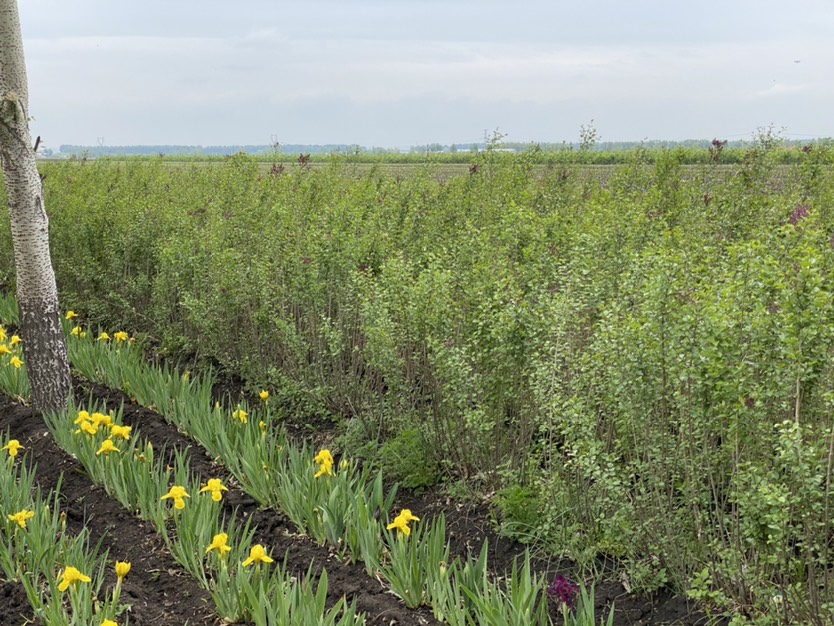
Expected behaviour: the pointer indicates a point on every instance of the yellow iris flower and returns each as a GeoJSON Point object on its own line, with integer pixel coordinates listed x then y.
{"type": "Point", "coordinates": [219, 543]}
{"type": "Point", "coordinates": [107, 447]}
{"type": "Point", "coordinates": [325, 462]}
{"type": "Point", "coordinates": [70, 576]}
{"type": "Point", "coordinates": [216, 487]}
{"type": "Point", "coordinates": [257, 555]}
{"type": "Point", "coordinates": [178, 495]}
{"type": "Point", "coordinates": [20, 517]}
{"type": "Point", "coordinates": [89, 428]}
{"type": "Point", "coordinates": [122, 432]}
{"type": "Point", "coordinates": [100, 419]}
{"type": "Point", "coordinates": [402, 521]}
{"type": "Point", "coordinates": [16, 362]}
{"type": "Point", "coordinates": [13, 447]}
{"type": "Point", "coordinates": [122, 569]}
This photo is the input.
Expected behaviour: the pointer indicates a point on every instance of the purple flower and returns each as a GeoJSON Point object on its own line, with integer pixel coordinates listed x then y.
{"type": "Point", "coordinates": [799, 214]}
{"type": "Point", "coordinates": [563, 590]}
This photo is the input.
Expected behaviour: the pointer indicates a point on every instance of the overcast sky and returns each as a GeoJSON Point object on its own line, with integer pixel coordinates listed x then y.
{"type": "Point", "coordinates": [402, 72]}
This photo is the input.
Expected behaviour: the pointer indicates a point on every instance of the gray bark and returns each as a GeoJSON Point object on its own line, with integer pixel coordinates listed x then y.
{"type": "Point", "coordinates": [44, 343]}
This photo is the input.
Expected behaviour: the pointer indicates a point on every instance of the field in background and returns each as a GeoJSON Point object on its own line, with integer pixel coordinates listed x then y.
{"type": "Point", "coordinates": [638, 365]}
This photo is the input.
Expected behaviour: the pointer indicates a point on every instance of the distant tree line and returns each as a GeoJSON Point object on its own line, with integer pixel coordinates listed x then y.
{"type": "Point", "coordinates": [603, 146]}
{"type": "Point", "coordinates": [693, 151]}
{"type": "Point", "coordinates": [195, 151]}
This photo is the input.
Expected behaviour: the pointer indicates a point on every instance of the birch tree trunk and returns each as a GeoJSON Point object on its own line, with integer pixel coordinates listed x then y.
{"type": "Point", "coordinates": [44, 343]}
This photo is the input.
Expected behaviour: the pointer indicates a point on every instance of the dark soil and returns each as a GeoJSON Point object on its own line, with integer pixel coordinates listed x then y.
{"type": "Point", "coordinates": [14, 607]}
{"type": "Point", "coordinates": [161, 593]}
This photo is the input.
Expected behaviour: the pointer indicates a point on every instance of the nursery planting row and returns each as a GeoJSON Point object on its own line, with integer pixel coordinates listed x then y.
{"type": "Point", "coordinates": [336, 504]}
{"type": "Point", "coordinates": [638, 371]}
{"type": "Point", "coordinates": [75, 513]}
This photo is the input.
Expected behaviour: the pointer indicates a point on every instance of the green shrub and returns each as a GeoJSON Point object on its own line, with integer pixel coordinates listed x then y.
{"type": "Point", "coordinates": [521, 514]}
{"type": "Point", "coordinates": [407, 459]}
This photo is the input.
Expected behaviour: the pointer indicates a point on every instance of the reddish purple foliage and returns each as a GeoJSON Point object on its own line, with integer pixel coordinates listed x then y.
{"type": "Point", "coordinates": [716, 148]}
{"type": "Point", "coordinates": [799, 214]}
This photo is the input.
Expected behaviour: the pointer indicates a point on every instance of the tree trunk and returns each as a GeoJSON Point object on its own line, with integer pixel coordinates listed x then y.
{"type": "Point", "coordinates": [44, 343]}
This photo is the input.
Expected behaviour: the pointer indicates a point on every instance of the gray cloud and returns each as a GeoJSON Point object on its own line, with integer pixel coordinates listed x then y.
{"type": "Point", "coordinates": [394, 72]}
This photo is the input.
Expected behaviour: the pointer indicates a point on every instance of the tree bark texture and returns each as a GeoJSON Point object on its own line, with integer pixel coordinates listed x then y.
{"type": "Point", "coordinates": [44, 343]}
